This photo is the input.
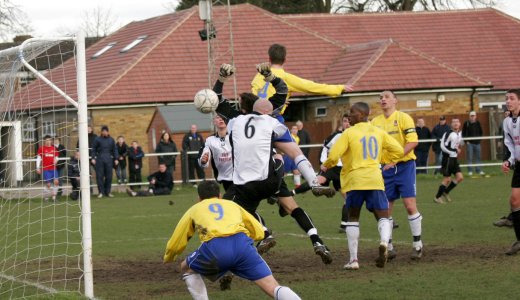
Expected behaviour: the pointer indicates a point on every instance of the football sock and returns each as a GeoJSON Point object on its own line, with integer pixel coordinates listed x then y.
{"type": "Point", "coordinates": [516, 223]}
{"type": "Point", "coordinates": [196, 286]}
{"type": "Point", "coordinates": [353, 239]}
{"type": "Point", "coordinates": [302, 188]}
{"type": "Point", "coordinates": [390, 245]}
{"type": "Point", "coordinates": [450, 187]}
{"type": "Point", "coordinates": [306, 224]}
{"type": "Point", "coordinates": [305, 168]}
{"type": "Point", "coordinates": [415, 221]}
{"type": "Point", "coordinates": [383, 226]}
{"type": "Point", "coordinates": [46, 192]}
{"type": "Point", "coordinates": [297, 179]}
{"type": "Point", "coordinates": [54, 190]}
{"type": "Point", "coordinates": [285, 293]}
{"type": "Point", "coordinates": [442, 190]}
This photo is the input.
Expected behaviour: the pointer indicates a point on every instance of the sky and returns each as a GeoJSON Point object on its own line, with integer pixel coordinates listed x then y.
{"type": "Point", "coordinates": [55, 17]}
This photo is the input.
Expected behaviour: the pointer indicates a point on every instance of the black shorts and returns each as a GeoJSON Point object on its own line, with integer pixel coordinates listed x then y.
{"type": "Point", "coordinates": [284, 190]}
{"type": "Point", "coordinates": [449, 166]}
{"type": "Point", "coordinates": [515, 182]}
{"type": "Point", "coordinates": [249, 195]}
{"type": "Point", "coordinates": [333, 174]}
{"type": "Point", "coordinates": [226, 184]}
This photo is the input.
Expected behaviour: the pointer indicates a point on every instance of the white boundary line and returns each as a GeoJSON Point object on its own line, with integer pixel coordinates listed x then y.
{"type": "Point", "coordinates": [36, 285]}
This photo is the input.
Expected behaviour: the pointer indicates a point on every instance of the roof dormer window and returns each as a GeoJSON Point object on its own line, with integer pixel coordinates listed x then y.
{"type": "Point", "coordinates": [133, 44]}
{"type": "Point", "coordinates": [104, 49]}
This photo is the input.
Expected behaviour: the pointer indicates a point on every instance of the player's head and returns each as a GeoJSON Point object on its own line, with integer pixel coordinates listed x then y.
{"type": "Point", "coordinates": [47, 140]}
{"type": "Point", "coordinates": [162, 167]}
{"type": "Point", "coordinates": [165, 137]}
{"type": "Point", "coordinates": [345, 123]}
{"type": "Point", "coordinates": [247, 100]}
{"type": "Point", "coordinates": [294, 130]}
{"type": "Point", "coordinates": [455, 124]}
{"type": "Point", "coordinates": [219, 122]}
{"type": "Point", "coordinates": [359, 113]}
{"type": "Point", "coordinates": [208, 189]}
{"type": "Point", "coordinates": [263, 106]}
{"type": "Point", "coordinates": [513, 100]}
{"type": "Point", "coordinates": [277, 54]}
{"type": "Point", "coordinates": [387, 100]}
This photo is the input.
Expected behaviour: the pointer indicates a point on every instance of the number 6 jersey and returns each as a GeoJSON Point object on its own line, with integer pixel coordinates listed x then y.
{"type": "Point", "coordinates": [252, 143]}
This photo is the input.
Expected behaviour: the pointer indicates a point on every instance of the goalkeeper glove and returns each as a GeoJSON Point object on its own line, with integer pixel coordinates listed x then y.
{"type": "Point", "coordinates": [226, 71]}
{"type": "Point", "coordinates": [265, 70]}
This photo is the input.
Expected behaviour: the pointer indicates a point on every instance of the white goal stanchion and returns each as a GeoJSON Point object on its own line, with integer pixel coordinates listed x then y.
{"type": "Point", "coordinates": [45, 230]}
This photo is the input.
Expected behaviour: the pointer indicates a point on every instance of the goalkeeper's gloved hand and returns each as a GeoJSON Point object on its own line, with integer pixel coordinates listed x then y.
{"type": "Point", "coordinates": [226, 71]}
{"type": "Point", "coordinates": [265, 70]}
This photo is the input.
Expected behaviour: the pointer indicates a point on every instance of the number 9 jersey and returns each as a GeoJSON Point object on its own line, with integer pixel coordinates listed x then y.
{"type": "Point", "coordinates": [360, 148]}
{"type": "Point", "coordinates": [212, 218]}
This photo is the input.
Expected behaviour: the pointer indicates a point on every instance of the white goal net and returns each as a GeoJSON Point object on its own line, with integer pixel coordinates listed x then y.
{"type": "Point", "coordinates": [42, 233]}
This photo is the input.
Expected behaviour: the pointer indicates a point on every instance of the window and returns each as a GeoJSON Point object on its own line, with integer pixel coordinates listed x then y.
{"type": "Point", "coordinates": [28, 130]}
{"type": "Point", "coordinates": [48, 128]}
{"type": "Point", "coordinates": [105, 49]}
{"type": "Point", "coordinates": [133, 44]}
{"type": "Point", "coordinates": [321, 111]}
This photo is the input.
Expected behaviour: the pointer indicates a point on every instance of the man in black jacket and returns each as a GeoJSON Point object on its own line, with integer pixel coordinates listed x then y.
{"type": "Point", "coordinates": [472, 129]}
{"type": "Point", "coordinates": [437, 133]}
{"type": "Point", "coordinates": [161, 183]}
{"type": "Point", "coordinates": [104, 156]}
{"type": "Point", "coordinates": [60, 165]}
{"type": "Point", "coordinates": [74, 175]}
{"type": "Point", "coordinates": [193, 141]}
{"type": "Point", "coordinates": [135, 164]}
{"type": "Point", "coordinates": [423, 149]}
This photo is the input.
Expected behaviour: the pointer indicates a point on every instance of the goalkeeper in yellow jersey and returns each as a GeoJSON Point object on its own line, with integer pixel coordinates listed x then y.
{"type": "Point", "coordinates": [227, 232]}
{"type": "Point", "coordinates": [360, 148]}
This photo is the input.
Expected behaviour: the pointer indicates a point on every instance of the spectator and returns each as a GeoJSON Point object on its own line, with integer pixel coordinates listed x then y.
{"type": "Point", "coordinates": [161, 183]}
{"type": "Point", "coordinates": [135, 164]}
{"type": "Point", "coordinates": [122, 151]}
{"type": "Point", "coordinates": [167, 145]}
{"type": "Point", "coordinates": [472, 129]}
{"type": "Point", "coordinates": [46, 167]}
{"type": "Point", "coordinates": [60, 165]}
{"type": "Point", "coordinates": [74, 175]}
{"type": "Point", "coordinates": [91, 137]}
{"type": "Point", "coordinates": [423, 149]}
{"type": "Point", "coordinates": [305, 138]}
{"type": "Point", "coordinates": [437, 133]}
{"type": "Point", "coordinates": [193, 141]}
{"type": "Point", "coordinates": [104, 156]}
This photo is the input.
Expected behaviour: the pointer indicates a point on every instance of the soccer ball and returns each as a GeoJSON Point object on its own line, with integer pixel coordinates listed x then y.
{"type": "Point", "coordinates": [206, 101]}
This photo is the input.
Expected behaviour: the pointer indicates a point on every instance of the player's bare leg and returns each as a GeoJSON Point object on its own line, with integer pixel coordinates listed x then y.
{"type": "Point", "coordinates": [271, 287]}
{"type": "Point", "coordinates": [305, 223]}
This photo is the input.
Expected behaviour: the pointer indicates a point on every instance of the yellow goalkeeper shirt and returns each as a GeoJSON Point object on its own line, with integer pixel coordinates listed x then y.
{"type": "Point", "coordinates": [295, 84]}
{"type": "Point", "coordinates": [211, 218]}
{"type": "Point", "coordinates": [360, 148]}
{"type": "Point", "coordinates": [401, 127]}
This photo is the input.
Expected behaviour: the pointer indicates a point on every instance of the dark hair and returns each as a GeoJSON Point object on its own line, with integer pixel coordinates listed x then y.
{"type": "Point", "coordinates": [248, 100]}
{"type": "Point", "coordinates": [47, 137]}
{"type": "Point", "coordinates": [362, 107]}
{"type": "Point", "coordinates": [169, 136]}
{"type": "Point", "coordinates": [277, 54]}
{"type": "Point", "coordinates": [514, 91]}
{"type": "Point", "coordinates": [208, 189]}
{"type": "Point", "coordinates": [345, 115]}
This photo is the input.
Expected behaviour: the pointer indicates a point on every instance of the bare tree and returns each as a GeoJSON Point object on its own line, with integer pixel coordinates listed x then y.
{"type": "Point", "coordinates": [12, 20]}
{"type": "Point", "coordinates": [408, 5]}
{"type": "Point", "coordinates": [98, 22]}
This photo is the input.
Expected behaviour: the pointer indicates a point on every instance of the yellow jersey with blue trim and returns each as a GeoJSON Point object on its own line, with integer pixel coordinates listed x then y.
{"type": "Point", "coordinates": [211, 218]}
{"type": "Point", "coordinates": [401, 127]}
{"type": "Point", "coordinates": [360, 148]}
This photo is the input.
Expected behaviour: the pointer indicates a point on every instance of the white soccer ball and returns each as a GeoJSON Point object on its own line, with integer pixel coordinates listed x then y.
{"type": "Point", "coordinates": [206, 101]}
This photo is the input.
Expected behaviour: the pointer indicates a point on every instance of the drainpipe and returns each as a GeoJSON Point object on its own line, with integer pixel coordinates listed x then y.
{"type": "Point", "coordinates": [472, 100]}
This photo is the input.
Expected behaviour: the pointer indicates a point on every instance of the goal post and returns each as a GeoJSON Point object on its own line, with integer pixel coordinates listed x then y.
{"type": "Point", "coordinates": [45, 245]}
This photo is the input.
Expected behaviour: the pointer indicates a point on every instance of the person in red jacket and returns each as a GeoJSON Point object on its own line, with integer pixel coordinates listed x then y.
{"type": "Point", "coordinates": [46, 162]}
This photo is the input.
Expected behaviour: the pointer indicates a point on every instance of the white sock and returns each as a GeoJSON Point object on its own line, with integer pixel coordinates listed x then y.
{"type": "Point", "coordinates": [285, 293]}
{"type": "Point", "coordinates": [46, 192]}
{"type": "Point", "coordinates": [312, 231]}
{"type": "Point", "coordinates": [305, 168]}
{"type": "Point", "coordinates": [196, 286]}
{"type": "Point", "coordinates": [54, 191]}
{"type": "Point", "coordinates": [297, 179]}
{"type": "Point", "coordinates": [415, 221]}
{"type": "Point", "coordinates": [353, 239]}
{"type": "Point", "coordinates": [390, 245]}
{"type": "Point", "coordinates": [383, 226]}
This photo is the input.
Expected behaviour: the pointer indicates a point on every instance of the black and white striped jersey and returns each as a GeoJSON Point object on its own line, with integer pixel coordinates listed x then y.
{"type": "Point", "coordinates": [329, 142]}
{"type": "Point", "coordinates": [252, 143]}
{"type": "Point", "coordinates": [450, 142]}
{"type": "Point", "coordinates": [219, 150]}
{"type": "Point", "coordinates": [512, 139]}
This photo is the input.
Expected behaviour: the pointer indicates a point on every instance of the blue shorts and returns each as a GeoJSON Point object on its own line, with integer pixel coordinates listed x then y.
{"type": "Point", "coordinates": [234, 253]}
{"type": "Point", "coordinates": [288, 164]}
{"type": "Point", "coordinates": [286, 137]}
{"type": "Point", "coordinates": [400, 181]}
{"type": "Point", "coordinates": [50, 175]}
{"type": "Point", "coordinates": [375, 199]}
